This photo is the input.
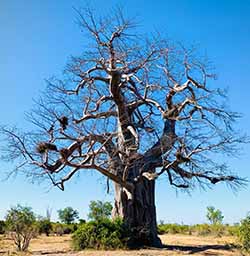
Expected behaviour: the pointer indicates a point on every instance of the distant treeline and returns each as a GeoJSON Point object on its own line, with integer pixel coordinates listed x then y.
{"type": "Point", "coordinates": [199, 229]}
{"type": "Point", "coordinates": [100, 232]}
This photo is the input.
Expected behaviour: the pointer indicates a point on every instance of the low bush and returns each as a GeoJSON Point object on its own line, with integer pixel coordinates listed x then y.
{"type": "Point", "coordinates": [82, 221]}
{"type": "Point", "coordinates": [202, 229]}
{"type": "Point", "coordinates": [100, 234]}
{"type": "Point", "coordinates": [212, 229]}
{"type": "Point", "coordinates": [2, 227]}
{"type": "Point", "coordinates": [173, 229]}
{"type": "Point", "coordinates": [69, 228]}
{"type": "Point", "coordinates": [44, 226]}
{"type": "Point", "coordinates": [244, 234]}
{"type": "Point", "coordinates": [199, 229]}
{"type": "Point", "coordinates": [218, 229]}
{"type": "Point", "coordinates": [233, 230]}
{"type": "Point", "coordinates": [64, 229]}
{"type": "Point", "coordinates": [57, 229]}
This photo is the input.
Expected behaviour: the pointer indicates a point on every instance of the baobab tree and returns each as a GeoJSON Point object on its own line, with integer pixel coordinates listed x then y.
{"type": "Point", "coordinates": [133, 109]}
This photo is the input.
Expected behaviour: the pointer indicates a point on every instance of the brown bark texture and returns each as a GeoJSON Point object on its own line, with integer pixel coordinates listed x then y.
{"type": "Point", "coordinates": [139, 213]}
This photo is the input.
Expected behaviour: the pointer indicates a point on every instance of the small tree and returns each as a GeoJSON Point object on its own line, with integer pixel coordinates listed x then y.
{"type": "Point", "coordinates": [244, 233]}
{"type": "Point", "coordinates": [67, 215]}
{"type": "Point", "coordinates": [99, 210]}
{"type": "Point", "coordinates": [214, 216]}
{"type": "Point", "coordinates": [20, 222]}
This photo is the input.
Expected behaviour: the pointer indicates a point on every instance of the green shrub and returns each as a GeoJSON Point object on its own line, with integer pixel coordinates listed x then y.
{"type": "Point", "coordinates": [82, 221]}
{"type": "Point", "coordinates": [44, 226]}
{"type": "Point", "coordinates": [244, 234]}
{"type": "Point", "coordinates": [57, 229]}
{"type": "Point", "coordinates": [218, 229]}
{"type": "Point", "coordinates": [63, 229]}
{"type": "Point", "coordinates": [2, 227]}
{"type": "Point", "coordinates": [161, 229]}
{"type": "Point", "coordinates": [198, 229]}
{"type": "Point", "coordinates": [101, 234]}
{"type": "Point", "coordinates": [69, 228]}
{"type": "Point", "coordinates": [20, 222]}
{"type": "Point", "coordinates": [233, 230]}
{"type": "Point", "coordinates": [202, 229]}
{"type": "Point", "coordinates": [173, 229]}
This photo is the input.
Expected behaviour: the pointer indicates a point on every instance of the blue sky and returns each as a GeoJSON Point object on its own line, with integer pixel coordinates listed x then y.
{"type": "Point", "coordinates": [36, 39]}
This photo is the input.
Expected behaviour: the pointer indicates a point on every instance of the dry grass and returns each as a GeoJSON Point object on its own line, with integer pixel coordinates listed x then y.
{"type": "Point", "coordinates": [41, 245]}
{"type": "Point", "coordinates": [175, 245]}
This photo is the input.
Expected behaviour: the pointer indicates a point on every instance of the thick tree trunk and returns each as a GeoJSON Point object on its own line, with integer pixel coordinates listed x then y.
{"type": "Point", "coordinates": [139, 213]}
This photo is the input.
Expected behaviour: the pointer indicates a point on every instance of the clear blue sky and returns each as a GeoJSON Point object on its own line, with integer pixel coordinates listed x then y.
{"type": "Point", "coordinates": [37, 37]}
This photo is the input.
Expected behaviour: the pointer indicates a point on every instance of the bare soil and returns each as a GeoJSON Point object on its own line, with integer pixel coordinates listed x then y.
{"type": "Point", "coordinates": [174, 245]}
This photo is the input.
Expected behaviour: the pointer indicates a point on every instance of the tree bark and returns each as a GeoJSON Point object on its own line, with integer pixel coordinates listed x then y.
{"type": "Point", "coordinates": [138, 211]}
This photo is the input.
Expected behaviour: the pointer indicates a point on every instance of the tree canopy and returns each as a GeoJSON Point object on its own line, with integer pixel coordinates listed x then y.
{"type": "Point", "coordinates": [132, 108]}
{"type": "Point", "coordinates": [67, 215]}
{"type": "Point", "coordinates": [214, 216]}
{"type": "Point", "coordinates": [99, 210]}
{"type": "Point", "coordinates": [128, 100]}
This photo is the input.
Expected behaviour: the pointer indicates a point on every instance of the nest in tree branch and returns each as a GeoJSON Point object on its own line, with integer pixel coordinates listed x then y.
{"type": "Point", "coordinates": [64, 121]}
{"type": "Point", "coordinates": [43, 147]}
{"type": "Point", "coordinates": [181, 158]}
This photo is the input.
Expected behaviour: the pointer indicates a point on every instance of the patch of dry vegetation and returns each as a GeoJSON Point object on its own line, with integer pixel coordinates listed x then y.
{"type": "Point", "coordinates": [175, 245]}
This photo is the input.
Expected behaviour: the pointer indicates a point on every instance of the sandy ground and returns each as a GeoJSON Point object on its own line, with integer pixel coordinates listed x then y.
{"type": "Point", "coordinates": [174, 245]}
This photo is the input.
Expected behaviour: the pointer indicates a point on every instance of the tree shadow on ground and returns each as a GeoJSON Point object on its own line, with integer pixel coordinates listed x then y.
{"type": "Point", "coordinates": [198, 249]}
